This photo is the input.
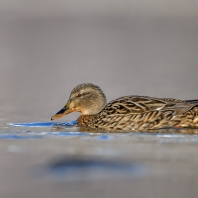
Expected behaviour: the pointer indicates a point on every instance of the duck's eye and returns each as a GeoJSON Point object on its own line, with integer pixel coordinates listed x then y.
{"type": "Point", "coordinates": [79, 95]}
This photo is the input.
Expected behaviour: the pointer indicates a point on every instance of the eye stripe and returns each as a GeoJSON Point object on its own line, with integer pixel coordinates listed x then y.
{"type": "Point", "coordinates": [79, 95]}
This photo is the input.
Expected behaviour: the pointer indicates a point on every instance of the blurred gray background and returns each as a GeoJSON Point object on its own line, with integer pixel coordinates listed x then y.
{"type": "Point", "coordinates": [143, 47]}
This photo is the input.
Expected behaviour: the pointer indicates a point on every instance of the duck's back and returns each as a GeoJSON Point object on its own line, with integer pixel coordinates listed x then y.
{"type": "Point", "coordinates": [137, 105]}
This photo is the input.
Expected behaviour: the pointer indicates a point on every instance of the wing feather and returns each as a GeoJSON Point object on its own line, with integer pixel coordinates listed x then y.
{"type": "Point", "coordinates": [138, 105]}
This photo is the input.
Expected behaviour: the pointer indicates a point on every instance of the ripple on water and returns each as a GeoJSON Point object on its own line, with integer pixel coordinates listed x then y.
{"type": "Point", "coordinates": [14, 134]}
{"type": "Point", "coordinates": [43, 124]}
{"type": "Point", "coordinates": [69, 129]}
{"type": "Point", "coordinates": [37, 132]}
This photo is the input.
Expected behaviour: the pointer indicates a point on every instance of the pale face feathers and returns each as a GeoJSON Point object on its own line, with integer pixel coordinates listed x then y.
{"type": "Point", "coordinates": [87, 99]}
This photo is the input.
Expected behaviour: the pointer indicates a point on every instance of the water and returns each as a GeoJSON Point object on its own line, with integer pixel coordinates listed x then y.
{"type": "Point", "coordinates": [53, 154]}
{"type": "Point", "coordinates": [81, 169]}
{"type": "Point", "coordinates": [75, 165]}
{"type": "Point", "coordinates": [35, 130]}
{"type": "Point", "coordinates": [71, 129]}
{"type": "Point", "coordinates": [43, 124]}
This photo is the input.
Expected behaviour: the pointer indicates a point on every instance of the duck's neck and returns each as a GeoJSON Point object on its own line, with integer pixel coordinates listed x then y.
{"type": "Point", "coordinates": [86, 120]}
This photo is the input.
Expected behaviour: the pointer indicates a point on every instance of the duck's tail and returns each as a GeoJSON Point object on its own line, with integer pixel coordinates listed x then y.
{"type": "Point", "coordinates": [191, 101]}
{"type": "Point", "coordinates": [188, 119]}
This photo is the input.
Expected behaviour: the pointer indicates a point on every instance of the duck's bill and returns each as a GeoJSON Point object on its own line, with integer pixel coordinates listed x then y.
{"type": "Point", "coordinates": [64, 111]}
{"type": "Point", "coordinates": [61, 113]}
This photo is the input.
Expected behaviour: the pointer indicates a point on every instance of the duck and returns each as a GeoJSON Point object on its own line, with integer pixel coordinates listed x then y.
{"type": "Point", "coordinates": [128, 113]}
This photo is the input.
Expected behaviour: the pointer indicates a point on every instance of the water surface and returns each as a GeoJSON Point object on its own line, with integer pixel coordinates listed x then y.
{"type": "Point", "coordinates": [46, 129]}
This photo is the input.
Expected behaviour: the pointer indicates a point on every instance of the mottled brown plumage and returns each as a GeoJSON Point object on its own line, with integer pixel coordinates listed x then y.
{"type": "Point", "coordinates": [129, 112]}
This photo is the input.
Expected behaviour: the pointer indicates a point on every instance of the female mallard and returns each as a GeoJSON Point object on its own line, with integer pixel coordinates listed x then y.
{"type": "Point", "coordinates": [128, 112]}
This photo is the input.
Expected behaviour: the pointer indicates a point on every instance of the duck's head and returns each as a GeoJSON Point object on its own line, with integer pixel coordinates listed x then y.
{"type": "Point", "coordinates": [85, 98]}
